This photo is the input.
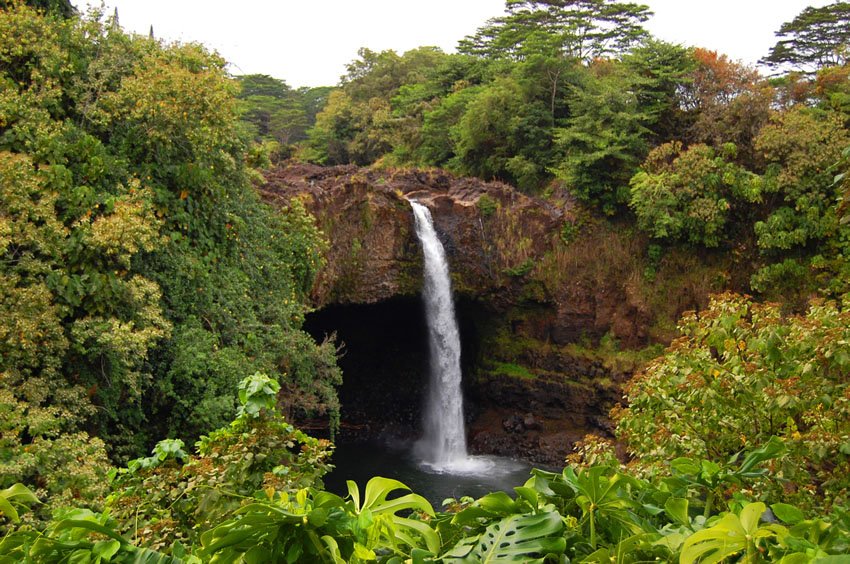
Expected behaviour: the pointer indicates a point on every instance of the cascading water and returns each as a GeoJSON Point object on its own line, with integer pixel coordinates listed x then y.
{"type": "Point", "coordinates": [439, 466]}
{"type": "Point", "coordinates": [443, 446]}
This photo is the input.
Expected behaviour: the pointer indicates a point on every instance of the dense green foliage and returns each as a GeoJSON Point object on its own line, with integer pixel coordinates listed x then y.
{"type": "Point", "coordinates": [278, 116]}
{"type": "Point", "coordinates": [740, 374]}
{"type": "Point", "coordinates": [63, 8]}
{"type": "Point", "coordinates": [577, 95]}
{"type": "Point", "coordinates": [246, 497]}
{"type": "Point", "coordinates": [605, 137]}
{"type": "Point", "coordinates": [172, 497]}
{"type": "Point", "coordinates": [686, 195]}
{"type": "Point", "coordinates": [487, 117]}
{"type": "Point", "coordinates": [817, 37]}
{"type": "Point", "coordinates": [141, 276]}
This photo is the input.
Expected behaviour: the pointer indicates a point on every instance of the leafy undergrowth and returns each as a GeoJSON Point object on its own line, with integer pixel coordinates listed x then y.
{"type": "Point", "coordinates": [594, 514]}
{"type": "Point", "coordinates": [741, 373]}
{"type": "Point", "coordinates": [252, 493]}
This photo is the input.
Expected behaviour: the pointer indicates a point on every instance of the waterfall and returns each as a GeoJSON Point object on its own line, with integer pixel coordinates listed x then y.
{"type": "Point", "coordinates": [443, 445]}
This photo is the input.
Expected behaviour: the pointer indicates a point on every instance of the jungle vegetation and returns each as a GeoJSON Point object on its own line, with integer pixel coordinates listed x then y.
{"type": "Point", "coordinates": [150, 300]}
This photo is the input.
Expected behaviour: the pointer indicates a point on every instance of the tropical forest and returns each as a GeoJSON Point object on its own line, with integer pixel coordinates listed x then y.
{"type": "Point", "coordinates": [566, 293]}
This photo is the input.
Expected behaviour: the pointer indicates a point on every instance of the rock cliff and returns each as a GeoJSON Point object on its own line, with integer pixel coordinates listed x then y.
{"type": "Point", "coordinates": [489, 230]}
{"type": "Point", "coordinates": [542, 280]}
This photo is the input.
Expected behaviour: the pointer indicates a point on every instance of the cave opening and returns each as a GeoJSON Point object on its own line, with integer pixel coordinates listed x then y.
{"type": "Point", "coordinates": [385, 362]}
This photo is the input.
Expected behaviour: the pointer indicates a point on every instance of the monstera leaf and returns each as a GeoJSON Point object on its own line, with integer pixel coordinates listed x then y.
{"type": "Point", "coordinates": [377, 491]}
{"type": "Point", "coordinates": [518, 538]}
{"type": "Point", "coordinates": [375, 505]}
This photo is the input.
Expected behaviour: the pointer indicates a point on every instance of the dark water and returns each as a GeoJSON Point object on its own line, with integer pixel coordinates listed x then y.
{"type": "Point", "coordinates": [483, 474]}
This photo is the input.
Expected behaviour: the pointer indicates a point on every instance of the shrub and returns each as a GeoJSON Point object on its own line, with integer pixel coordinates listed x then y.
{"type": "Point", "coordinates": [740, 373]}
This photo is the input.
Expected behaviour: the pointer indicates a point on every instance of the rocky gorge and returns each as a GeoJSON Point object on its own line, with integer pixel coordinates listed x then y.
{"type": "Point", "coordinates": [553, 304]}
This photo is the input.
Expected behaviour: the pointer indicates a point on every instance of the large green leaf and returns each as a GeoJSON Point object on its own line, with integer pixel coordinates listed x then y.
{"type": "Point", "coordinates": [626, 551]}
{"type": "Point", "coordinates": [18, 493]}
{"type": "Point", "coordinates": [787, 513]}
{"type": "Point", "coordinates": [431, 538]}
{"type": "Point", "coordinates": [254, 523]}
{"type": "Point", "coordinates": [716, 543]}
{"type": "Point", "coordinates": [15, 546]}
{"type": "Point", "coordinates": [491, 506]}
{"type": "Point", "coordinates": [518, 538]}
{"type": "Point", "coordinates": [378, 515]}
{"type": "Point", "coordinates": [377, 491]}
{"type": "Point", "coordinates": [604, 497]}
{"type": "Point", "coordinates": [8, 510]}
{"type": "Point", "coordinates": [731, 535]}
{"type": "Point", "coordinates": [90, 526]}
{"type": "Point", "coordinates": [676, 509]}
{"type": "Point", "coordinates": [774, 448]}
{"type": "Point", "coordinates": [550, 484]}
{"type": "Point", "coordinates": [333, 549]}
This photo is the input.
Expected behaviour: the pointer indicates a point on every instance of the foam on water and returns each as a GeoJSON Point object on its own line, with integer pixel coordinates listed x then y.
{"type": "Point", "coordinates": [490, 466]}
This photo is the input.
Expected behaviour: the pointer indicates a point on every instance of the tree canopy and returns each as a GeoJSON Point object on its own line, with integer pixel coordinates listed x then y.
{"type": "Point", "coordinates": [580, 29]}
{"type": "Point", "coordinates": [140, 273]}
{"type": "Point", "coordinates": [815, 38]}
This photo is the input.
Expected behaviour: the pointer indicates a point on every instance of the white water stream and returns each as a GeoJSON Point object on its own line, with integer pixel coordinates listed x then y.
{"type": "Point", "coordinates": [443, 445]}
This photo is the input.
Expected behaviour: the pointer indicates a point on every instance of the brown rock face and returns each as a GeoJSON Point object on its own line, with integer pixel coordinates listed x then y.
{"type": "Point", "coordinates": [538, 275]}
{"type": "Point", "coordinates": [488, 229]}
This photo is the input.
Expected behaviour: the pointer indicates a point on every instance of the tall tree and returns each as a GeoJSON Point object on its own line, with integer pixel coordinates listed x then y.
{"type": "Point", "coordinates": [503, 134]}
{"type": "Point", "coordinates": [727, 102]}
{"type": "Point", "coordinates": [605, 138]}
{"type": "Point", "coordinates": [582, 29]}
{"type": "Point", "coordinates": [313, 100]}
{"type": "Point", "coordinates": [816, 38]}
{"type": "Point", "coordinates": [357, 123]}
{"type": "Point", "coordinates": [263, 85]}
{"type": "Point", "coordinates": [662, 72]}
{"type": "Point", "coordinates": [273, 109]}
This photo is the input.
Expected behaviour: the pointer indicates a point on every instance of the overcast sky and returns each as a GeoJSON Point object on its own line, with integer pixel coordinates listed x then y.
{"type": "Point", "coordinates": [308, 43]}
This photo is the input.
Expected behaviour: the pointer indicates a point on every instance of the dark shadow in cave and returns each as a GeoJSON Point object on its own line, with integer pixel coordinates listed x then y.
{"type": "Point", "coordinates": [385, 362]}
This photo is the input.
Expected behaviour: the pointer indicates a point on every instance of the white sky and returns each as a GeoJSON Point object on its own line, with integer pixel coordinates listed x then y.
{"type": "Point", "coordinates": [308, 43]}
